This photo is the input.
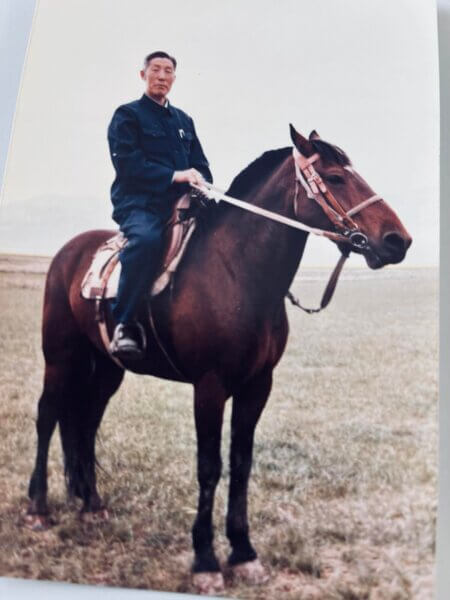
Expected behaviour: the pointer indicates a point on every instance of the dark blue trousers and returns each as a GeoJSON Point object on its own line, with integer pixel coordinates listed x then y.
{"type": "Point", "coordinates": [140, 260]}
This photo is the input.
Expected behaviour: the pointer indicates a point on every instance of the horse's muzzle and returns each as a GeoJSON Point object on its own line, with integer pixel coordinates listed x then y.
{"type": "Point", "coordinates": [395, 245]}
{"type": "Point", "coordinates": [392, 250]}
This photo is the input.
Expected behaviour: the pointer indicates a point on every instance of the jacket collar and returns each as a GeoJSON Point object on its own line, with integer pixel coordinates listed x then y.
{"type": "Point", "coordinates": [154, 106]}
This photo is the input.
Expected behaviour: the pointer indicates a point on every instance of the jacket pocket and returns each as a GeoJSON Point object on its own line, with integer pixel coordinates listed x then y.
{"type": "Point", "coordinates": [155, 141]}
{"type": "Point", "coordinates": [187, 140]}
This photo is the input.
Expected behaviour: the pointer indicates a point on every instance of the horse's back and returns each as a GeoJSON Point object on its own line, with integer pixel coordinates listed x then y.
{"type": "Point", "coordinates": [84, 242]}
{"type": "Point", "coordinates": [74, 257]}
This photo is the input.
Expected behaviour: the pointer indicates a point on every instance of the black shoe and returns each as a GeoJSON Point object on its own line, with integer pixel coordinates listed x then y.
{"type": "Point", "coordinates": [128, 341]}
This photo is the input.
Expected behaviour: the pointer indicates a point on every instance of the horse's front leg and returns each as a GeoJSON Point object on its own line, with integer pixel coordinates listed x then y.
{"type": "Point", "coordinates": [248, 405]}
{"type": "Point", "coordinates": [209, 402]}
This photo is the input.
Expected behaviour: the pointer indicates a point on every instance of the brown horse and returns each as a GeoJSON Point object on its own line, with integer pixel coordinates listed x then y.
{"type": "Point", "coordinates": [223, 324]}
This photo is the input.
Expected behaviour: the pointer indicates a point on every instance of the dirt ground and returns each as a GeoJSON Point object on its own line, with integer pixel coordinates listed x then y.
{"type": "Point", "coordinates": [343, 491]}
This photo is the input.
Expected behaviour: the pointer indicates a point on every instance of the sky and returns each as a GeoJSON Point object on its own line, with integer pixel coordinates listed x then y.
{"type": "Point", "coordinates": [364, 74]}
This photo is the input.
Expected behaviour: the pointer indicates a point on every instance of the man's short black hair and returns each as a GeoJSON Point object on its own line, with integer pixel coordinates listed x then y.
{"type": "Point", "coordinates": [159, 54]}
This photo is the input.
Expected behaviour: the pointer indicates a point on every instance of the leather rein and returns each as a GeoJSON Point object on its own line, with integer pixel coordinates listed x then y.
{"type": "Point", "coordinates": [346, 230]}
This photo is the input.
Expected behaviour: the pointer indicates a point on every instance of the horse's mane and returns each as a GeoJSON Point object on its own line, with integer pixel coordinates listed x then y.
{"type": "Point", "coordinates": [254, 172]}
{"type": "Point", "coordinates": [257, 170]}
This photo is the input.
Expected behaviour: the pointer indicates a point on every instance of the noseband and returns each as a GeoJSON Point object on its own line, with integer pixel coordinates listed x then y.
{"type": "Point", "coordinates": [309, 178]}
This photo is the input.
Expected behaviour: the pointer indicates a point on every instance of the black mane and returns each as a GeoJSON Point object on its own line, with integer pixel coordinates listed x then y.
{"type": "Point", "coordinates": [253, 173]}
{"type": "Point", "coordinates": [257, 170]}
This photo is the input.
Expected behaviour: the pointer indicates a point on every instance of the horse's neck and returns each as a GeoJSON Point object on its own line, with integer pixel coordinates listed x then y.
{"type": "Point", "coordinates": [263, 255]}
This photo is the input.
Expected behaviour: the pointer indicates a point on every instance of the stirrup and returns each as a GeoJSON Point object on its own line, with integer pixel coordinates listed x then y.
{"type": "Point", "coordinates": [136, 347]}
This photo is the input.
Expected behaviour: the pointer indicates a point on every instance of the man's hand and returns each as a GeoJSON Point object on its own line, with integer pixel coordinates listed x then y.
{"type": "Point", "coordinates": [188, 176]}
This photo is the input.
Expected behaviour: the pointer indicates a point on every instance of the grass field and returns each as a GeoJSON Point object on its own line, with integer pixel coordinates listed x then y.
{"type": "Point", "coordinates": [343, 491]}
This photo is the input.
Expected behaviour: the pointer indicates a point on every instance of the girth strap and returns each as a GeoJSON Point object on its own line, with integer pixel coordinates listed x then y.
{"type": "Point", "coordinates": [161, 345]}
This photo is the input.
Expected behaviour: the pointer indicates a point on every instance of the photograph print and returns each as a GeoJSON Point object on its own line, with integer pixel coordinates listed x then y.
{"type": "Point", "coordinates": [219, 279]}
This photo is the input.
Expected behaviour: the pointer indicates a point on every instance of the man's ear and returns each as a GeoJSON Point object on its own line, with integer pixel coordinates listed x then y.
{"type": "Point", "coordinates": [303, 145]}
{"type": "Point", "coordinates": [142, 74]}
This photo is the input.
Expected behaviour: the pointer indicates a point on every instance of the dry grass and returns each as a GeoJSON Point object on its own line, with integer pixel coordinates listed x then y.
{"type": "Point", "coordinates": [343, 492]}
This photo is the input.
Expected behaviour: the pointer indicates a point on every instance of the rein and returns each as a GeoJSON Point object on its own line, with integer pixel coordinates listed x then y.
{"type": "Point", "coordinates": [347, 231]}
{"type": "Point", "coordinates": [215, 193]}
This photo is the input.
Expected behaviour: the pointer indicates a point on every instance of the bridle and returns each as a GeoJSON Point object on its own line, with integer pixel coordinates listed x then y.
{"type": "Point", "coordinates": [346, 230]}
{"type": "Point", "coordinates": [312, 182]}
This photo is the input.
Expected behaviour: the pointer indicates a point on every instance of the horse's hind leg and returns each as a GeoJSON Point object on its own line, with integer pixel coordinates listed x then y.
{"type": "Point", "coordinates": [37, 515]}
{"type": "Point", "coordinates": [60, 382]}
{"type": "Point", "coordinates": [248, 405]}
{"type": "Point", "coordinates": [79, 422]}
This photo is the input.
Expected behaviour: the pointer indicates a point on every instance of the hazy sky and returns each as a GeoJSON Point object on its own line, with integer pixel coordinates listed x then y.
{"type": "Point", "coordinates": [364, 74]}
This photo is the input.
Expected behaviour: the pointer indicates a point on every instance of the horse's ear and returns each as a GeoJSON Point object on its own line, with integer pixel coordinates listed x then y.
{"type": "Point", "coordinates": [314, 135]}
{"type": "Point", "coordinates": [303, 145]}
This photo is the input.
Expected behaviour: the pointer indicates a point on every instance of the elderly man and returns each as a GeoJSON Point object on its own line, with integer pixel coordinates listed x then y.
{"type": "Point", "coordinates": [156, 153]}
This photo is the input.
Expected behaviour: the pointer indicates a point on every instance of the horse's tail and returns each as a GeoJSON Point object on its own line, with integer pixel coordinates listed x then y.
{"type": "Point", "coordinates": [97, 379]}
{"type": "Point", "coordinates": [75, 470]}
{"type": "Point", "coordinates": [77, 432]}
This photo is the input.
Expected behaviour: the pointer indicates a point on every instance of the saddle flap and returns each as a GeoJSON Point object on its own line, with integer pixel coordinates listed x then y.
{"type": "Point", "coordinates": [103, 263]}
{"type": "Point", "coordinates": [102, 278]}
{"type": "Point", "coordinates": [177, 226]}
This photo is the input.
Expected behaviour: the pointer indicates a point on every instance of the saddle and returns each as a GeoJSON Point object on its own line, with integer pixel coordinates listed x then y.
{"type": "Point", "coordinates": [102, 278]}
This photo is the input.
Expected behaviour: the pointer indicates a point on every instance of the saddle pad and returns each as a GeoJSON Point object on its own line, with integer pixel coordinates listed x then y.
{"type": "Point", "coordinates": [98, 279]}
{"type": "Point", "coordinates": [102, 277]}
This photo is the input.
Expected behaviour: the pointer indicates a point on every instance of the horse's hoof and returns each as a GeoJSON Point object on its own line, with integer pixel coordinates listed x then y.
{"type": "Point", "coordinates": [251, 572]}
{"type": "Point", "coordinates": [208, 584]}
{"type": "Point", "coordinates": [96, 516]}
{"type": "Point", "coordinates": [37, 522]}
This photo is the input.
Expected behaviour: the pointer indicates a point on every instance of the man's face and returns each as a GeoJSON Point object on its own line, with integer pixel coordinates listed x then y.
{"type": "Point", "coordinates": [159, 77]}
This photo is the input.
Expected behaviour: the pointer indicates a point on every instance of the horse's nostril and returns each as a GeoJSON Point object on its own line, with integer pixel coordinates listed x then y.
{"type": "Point", "coordinates": [396, 242]}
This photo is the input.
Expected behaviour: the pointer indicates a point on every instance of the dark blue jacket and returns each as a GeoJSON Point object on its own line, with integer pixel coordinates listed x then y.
{"type": "Point", "coordinates": [148, 142]}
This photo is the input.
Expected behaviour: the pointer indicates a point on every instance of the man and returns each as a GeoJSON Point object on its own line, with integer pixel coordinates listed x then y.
{"type": "Point", "coordinates": [156, 154]}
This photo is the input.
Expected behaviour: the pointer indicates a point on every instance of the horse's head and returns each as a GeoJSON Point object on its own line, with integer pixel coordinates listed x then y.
{"type": "Point", "coordinates": [369, 226]}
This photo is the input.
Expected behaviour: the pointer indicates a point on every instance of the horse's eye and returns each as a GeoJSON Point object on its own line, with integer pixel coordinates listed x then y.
{"type": "Point", "coordinates": [334, 179]}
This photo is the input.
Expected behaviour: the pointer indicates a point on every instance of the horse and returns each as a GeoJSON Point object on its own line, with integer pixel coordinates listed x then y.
{"type": "Point", "coordinates": [223, 325]}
